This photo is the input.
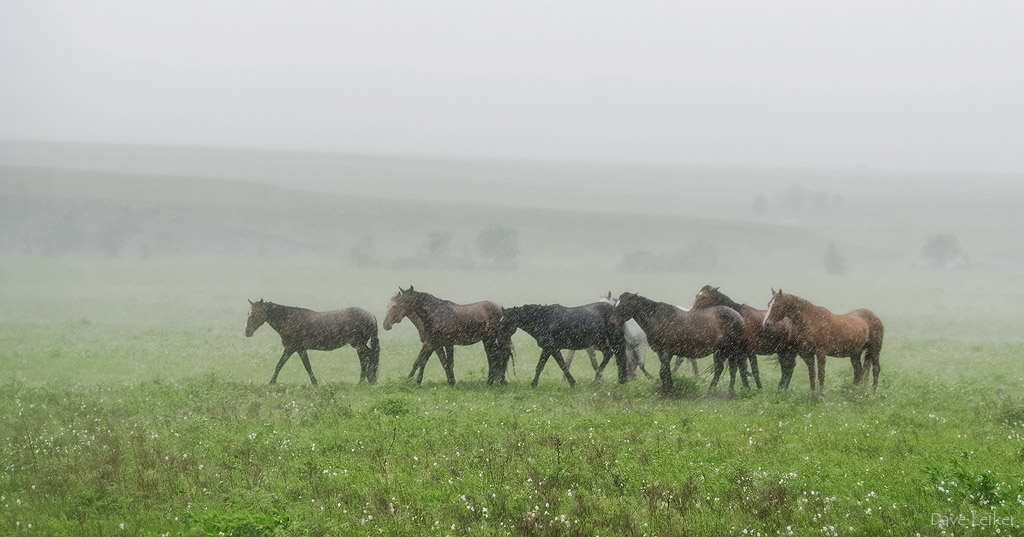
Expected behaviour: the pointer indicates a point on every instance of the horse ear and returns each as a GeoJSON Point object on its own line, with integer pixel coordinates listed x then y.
{"type": "Point", "coordinates": [773, 290]}
{"type": "Point", "coordinates": [714, 288]}
{"type": "Point", "coordinates": [411, 289]}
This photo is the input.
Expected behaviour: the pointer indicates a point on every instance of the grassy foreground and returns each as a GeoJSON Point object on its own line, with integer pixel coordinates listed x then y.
{"type": "Point", "coordinates": [132, 408]}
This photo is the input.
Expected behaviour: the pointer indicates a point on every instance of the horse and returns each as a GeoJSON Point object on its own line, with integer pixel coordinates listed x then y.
{"type": "Point", "coordinates": [779, 340]}
{"type": "Point", "coordinates": [821, 333]}
{"type": "Point", "coordinates": [443, 324]}
{"type": "Point", "coordinates": [302, 329]}
{"type": "Point", "coordinates": [636, 349]}
{"type": "Point", "coordinates": [557, 327]}
{"type": "Point", "coordinates": [634, 340]}
{"type": "Point", "coordinates": [443, 353]}
{"type": "Point", "coordinates": [672, 332]}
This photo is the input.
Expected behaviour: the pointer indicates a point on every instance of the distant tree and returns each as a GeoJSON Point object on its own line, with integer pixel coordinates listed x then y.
{"type": "Point", "coordinates": [940, 249]}
{"type": "Point", "coordinates": [499, 245]}
{"type": "Point", "coordinates": [835, 262]}
{"type": "Point", "coordinates": [364, 254]}
{"type": "Point", "coordinates": [760, 203]}
{"type": "Point", "coordinates": [438, 243]}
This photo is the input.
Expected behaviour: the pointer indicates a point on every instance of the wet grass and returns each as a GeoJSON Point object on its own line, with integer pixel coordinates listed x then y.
{"type": "Point", "coordinates": [118, 421]}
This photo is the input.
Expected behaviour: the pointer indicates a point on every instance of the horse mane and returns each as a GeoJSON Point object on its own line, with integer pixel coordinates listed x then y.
{"type": "Point", "coordinates": [723, 299]}
{"type": "Point", "coordinates": [422, 300]}
{"type": "Point", "coordinates": [528, 312]}
{"type": "Point", "coordinates": [650, 305]}
{"type": "Point", "coordinates": [803, 303]}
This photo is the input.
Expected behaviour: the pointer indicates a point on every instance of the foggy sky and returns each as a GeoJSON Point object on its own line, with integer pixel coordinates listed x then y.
{"type": "Point", "coordinates": [923, 85]}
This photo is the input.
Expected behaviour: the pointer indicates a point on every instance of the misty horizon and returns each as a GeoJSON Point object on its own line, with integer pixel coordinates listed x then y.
{"type": "Point", "coordinates": [922, 86]}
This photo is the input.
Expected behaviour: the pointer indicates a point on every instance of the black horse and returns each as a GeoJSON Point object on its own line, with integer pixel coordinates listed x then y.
{"type": "Point", "coordinates": [557, 327]}
{"type": "Point", "coordinates": [301, 330]}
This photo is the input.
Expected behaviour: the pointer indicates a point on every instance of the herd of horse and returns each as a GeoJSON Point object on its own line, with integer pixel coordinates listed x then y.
{"type": "Point", "coordinates": [623, 328]}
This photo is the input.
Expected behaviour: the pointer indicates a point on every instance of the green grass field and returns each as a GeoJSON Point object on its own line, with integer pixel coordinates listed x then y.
{"type": "Point", "coordinates": [132, 404]}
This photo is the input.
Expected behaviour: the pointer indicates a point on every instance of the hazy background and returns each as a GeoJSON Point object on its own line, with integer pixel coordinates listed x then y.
{"type": "Point", "coordinates": [731, 141]}
{"type": "Point", "coordinates": [916, 85]}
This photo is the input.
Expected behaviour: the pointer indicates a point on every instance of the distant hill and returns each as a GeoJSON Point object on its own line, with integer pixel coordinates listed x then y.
{"type": "Point", "coordinates": [46, 211]}
{"type": "Point", "coordinates": [120, 200]}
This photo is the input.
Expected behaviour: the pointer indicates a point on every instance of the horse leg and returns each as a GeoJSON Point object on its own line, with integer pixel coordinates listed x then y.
{"type": "Point", "coordinates": [309, 368]}
{"type": "Point", "coordinates": [739, 363]}
{"type": "Point", "coordinates": [565, 368]}
{"type": "Point", "coordinates": [448, 363]}
{"type": "Point", "coordinates": [754, 370]}
{"type": "Point", "coordinates": [362, 351]}
{"type": "Point", "coordinates": [788, 364]}
{"type": "Point", "coordinates": [821, 373]}
{"type": "Point", "coordinates": [858, 369]}
{"type": "Point", "coordinates": [641, 356]}
{"type": "Point", "coordinates": [540, 366]}
{"type": "Point", "coordinates": [666, 373]}
{"type": "Point", "coordinates": [733, 366]}
{"type": "Point", "coordinates": [280, 363]}
{"type": "Point", "coordinates": [810, 369]}
{"type": "Point", "coordinates": [719, 367]}
{"type": "Point", "coordinates": [497, 362]}
{"type": "Point", "coordinates": [679, 361]}
{"type": "Point", "coordinates": [876, 368]}
{"type": "Point", "coordinates": [606, 357]}
{"type": "Point", "coordinates": [631, 364]}
{"type": "Point", "coordinates": [693, 365]}
{"type": "Point", "coordinates": [598, 366]}
{"type": "Point", "coordinates": [421, 362]}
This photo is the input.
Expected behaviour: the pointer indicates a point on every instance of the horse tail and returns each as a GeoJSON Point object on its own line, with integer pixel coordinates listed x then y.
{"type": "Point", "coordinates": [372, 354]}
{"type": "Point", "coordinates": [873, 348]}
{"type": "Point", "coordinates": [735, 344]}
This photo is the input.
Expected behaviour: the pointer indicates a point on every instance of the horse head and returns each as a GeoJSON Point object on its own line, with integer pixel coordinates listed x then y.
{"type": "Point", "coordinates": [509, 323]}
{"type": "Point", "coordinates": [257, 316]}
{"type": "Point", "coordinates": [778, 309]}
{"type": "Point", "coordinates": [707, 296]}
{"type": "Point", "coordinates": [397, 308]}
{"type": "Point", "coordinates": [626, 307]}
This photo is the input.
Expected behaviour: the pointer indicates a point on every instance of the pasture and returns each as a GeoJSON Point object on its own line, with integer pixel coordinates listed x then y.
{"type": "Point", "coordinates": [132, 404]}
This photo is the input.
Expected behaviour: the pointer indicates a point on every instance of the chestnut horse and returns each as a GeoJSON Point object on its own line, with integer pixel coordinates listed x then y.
{"type": "Point", "coordinates": [821, 333]}
{"type": "Point", "coordinates": [443, 324]}
{"type": "Point", "coordinates": [557, 327]}
{"type": "Point", "coordinates": [780, 339]}
{"type": "Point", "coordinates": [717, 330]}
{"type": "Point", "coordinates": [301, 330]}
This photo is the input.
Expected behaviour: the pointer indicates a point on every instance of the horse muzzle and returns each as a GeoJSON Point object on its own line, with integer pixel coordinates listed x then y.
{"type": "Point", "coordinates": [248, 333]}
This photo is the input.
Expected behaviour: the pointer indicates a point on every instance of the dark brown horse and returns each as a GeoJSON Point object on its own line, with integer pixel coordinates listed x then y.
{"type": "Point", "coordinates": [780, 339]}
{"type": "Point", "coordinates": [717, 330]}
{"type": "Point", "coordinates": [443, 324]}
{"type": "Point", "coordinates": [444, 354]}
{"type": "Point", "coordinates": [821, 333]}
{"type": "Point", "coordinates": [301, 330]}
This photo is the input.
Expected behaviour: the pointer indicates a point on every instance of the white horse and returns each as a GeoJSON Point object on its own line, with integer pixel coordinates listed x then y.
{"type": "Point", "coordinates": [636, 349]}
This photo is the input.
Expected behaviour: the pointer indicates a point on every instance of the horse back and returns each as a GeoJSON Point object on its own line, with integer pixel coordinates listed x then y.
{"type": "Point", "coordinates": [838, 335]}
{"type": "Point", "coordinates": [695, 333]}
{"type": "Point", "coordinates": [329, 330]}
{"type": "Point", "coordinates": [876, 330]}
